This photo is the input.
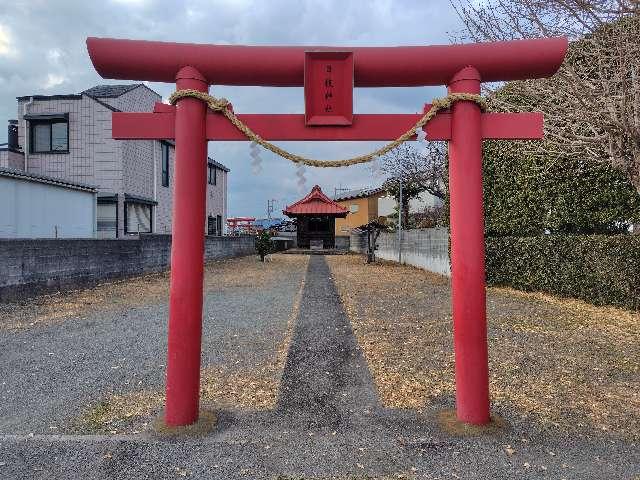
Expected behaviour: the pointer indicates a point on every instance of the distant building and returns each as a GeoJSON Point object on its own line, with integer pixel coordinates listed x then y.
{"type": "Point", "coordinates": [68, 137]}
{"type": "Point", "coordinates": [368, 204]}
{"type": "Point", "coordinates": [363, 207]}
{"type": "Point", "coordinates": [266, 223]}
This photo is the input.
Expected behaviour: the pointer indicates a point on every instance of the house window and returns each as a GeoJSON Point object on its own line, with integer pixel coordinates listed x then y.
{"type": "Point", "coordinates": [137, 218]}
{"type": "Point", "coordinates": [107, 218]}
{"type": "Point", "coordinates": [353, 208]}
{"type": "Point", "coordinates": [49, 136]}
{"type": "Point", "coordinates": [214, 225]}
{"type": "Point", "coordinates": [212, 175]}
{"type": "Point", "coordinates": [165, 164]}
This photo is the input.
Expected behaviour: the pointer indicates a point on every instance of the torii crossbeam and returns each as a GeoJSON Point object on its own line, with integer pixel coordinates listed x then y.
{"type": "Point", "coordinates": [328, 75]}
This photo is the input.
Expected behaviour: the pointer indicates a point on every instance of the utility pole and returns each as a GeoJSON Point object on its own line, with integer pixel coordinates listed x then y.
{"type": "Point", "coordinates": [339, 189]}
{"type": "Point", "coordinates": [270, 207]}
{"type": "Point", "coordinates": [400, 223]}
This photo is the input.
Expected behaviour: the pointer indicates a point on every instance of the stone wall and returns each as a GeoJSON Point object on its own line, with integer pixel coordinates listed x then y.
{"type": "Point", "coordinates": [29, 267]}
{"type": "Point", "coordinates": [424, 248]}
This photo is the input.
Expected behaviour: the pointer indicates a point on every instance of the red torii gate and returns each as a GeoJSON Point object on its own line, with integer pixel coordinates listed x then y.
{"type": "Point", "coordinates": [461, 67]}
{"type": "Point", "coordinates": [242, 224]}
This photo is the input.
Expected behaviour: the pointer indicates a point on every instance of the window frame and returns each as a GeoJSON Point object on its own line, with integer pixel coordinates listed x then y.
{"type": "Point", "coordinates": [109, 201]}
{"type": "Point", "coordinates": [49, 122]}
{"type": "Point", "coordinates": [165, 162]}
{"type": "Point", "coordinates": [126, 217]}
{"type": "Point", "coordinates": [212, 168]}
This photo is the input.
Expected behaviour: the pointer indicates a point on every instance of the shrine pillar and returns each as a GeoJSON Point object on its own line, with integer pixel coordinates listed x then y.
{"type": "Point", "coordinates": [468, 289]}
{"type": "Point", "coordinates": [187, 254]}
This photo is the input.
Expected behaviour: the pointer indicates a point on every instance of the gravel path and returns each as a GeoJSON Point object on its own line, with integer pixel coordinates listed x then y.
{"type": "Point", "coordinates": [328, 421]}
{"type": "Point", "coordinates": [50, 373]}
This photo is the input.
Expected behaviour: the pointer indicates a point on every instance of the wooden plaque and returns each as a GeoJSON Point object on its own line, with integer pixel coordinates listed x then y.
{"type": "Point", "coordinates": [328, 88]}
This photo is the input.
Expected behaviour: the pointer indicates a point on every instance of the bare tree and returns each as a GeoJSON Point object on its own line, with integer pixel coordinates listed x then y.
{"type": "Point", "coordinates": [423, 167]}
{"type": "Point", "coordinates": [495, 20]}
{"type": "Point", "coordinates": [592, 105]}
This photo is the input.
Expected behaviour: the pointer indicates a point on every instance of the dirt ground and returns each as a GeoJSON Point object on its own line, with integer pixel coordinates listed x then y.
{"type": "Point", "coordinates": [315, 372]}
{"type": "Point", "coordinates": [562, 363]}
{"type": "Point", "coordinates": [225, 385]}
{"type": "Point", "coordinates": [248, 345]}
{"type": "Point", "coordinates": [135, 292]}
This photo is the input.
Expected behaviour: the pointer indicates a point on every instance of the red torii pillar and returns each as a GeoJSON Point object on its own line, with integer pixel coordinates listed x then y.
{"type": "Point", "coordinates": [187, 254]}
{"type": "Point", "coordinates": [460, 67]}
{"type": "Point", "coordinates": [466, 224]}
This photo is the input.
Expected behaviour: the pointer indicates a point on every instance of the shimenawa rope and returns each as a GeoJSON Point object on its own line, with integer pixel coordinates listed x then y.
{"type": "Point", "coordinates": [222, 105]}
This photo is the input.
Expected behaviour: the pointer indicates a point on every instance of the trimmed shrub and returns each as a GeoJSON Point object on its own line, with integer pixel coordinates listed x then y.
{"type": "Point", "coordinates": [603, 270]}
{"type": "Point", "coordinates": [263, 244]}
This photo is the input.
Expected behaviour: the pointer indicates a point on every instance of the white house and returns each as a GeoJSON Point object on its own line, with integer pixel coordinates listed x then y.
{"type": "Point", "coordinates": [35, 206]}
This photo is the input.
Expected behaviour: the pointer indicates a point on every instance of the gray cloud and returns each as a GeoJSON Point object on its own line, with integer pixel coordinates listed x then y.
{"type": "Point", "coordinates": [42, 51]}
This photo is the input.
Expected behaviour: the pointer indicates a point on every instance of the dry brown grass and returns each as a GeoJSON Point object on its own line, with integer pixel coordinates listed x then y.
{"type": "Point", "coordinates": [225, 386]}
{"type": "Point", "coordinates": [136, 291]}
{"type": "Point", "coordinates": [562, 361]}
{"type": "Point", "coordinates": [448, 421]}
{"type": "Point", "coordinates": [411, 359]}
{"type": "Point", "coordinates": [58, 307]}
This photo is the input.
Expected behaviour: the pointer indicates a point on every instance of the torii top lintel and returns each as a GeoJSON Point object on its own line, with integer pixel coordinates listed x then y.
{"type": "Point", "coordinates": [283, 66]}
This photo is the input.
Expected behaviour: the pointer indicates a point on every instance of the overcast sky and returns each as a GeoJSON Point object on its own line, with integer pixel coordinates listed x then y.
{"type": "Point", "coordinates": [42, 51]}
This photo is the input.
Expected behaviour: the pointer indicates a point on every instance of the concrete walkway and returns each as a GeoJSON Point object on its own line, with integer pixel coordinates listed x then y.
{"type": "Point", "coordinates": [326, 381]}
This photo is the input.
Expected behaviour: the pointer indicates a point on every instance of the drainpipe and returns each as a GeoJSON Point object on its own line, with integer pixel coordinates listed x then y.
{"type": "Point", "coordinates": [155, 186]}
{"type": "Point", "coordinates": [95, 214]}
{"type": "Point", "coordinates": [400, 224]}
{"type": "Point", "coordinates": [25, 141]}
{"type": "Point", "coordinates": [224, 202]}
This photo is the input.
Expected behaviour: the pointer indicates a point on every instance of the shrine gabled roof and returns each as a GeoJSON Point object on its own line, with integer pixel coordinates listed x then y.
{"type": "Point", "coordinates": [315, 203]}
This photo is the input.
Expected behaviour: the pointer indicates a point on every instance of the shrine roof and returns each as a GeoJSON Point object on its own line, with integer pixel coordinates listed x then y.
{"type": "Point", "coordinates": [315, 203]}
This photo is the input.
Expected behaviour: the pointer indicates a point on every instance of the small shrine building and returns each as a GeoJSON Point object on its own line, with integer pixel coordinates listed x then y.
{"type": "Point", "coordinates": [316, 215]}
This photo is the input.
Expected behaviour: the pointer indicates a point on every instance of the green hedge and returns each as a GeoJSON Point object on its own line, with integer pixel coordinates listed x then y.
{"type": "Point", "coordinates": [603, 270]}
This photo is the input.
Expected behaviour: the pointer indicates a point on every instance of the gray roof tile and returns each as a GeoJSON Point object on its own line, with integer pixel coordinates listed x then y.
{"type": "Point", "coordinates": [110, 91]}
{"type": "Point", "coordinates": [363, 192]}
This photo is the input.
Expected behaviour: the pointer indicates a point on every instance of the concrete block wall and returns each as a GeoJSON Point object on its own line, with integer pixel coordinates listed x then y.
{"type": "Point", "coordinates": [32, 266]}
{"type": "Point", "coordinates": [11, 159]}
{"type": "Point", "coordinates": [358, 243]}
{"type": "Point", "coordinates": [216, 248]}
{"type": "Point", "coordinates": [342, 243]}
{"type": "Point", "coordinates": [424, 248]}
